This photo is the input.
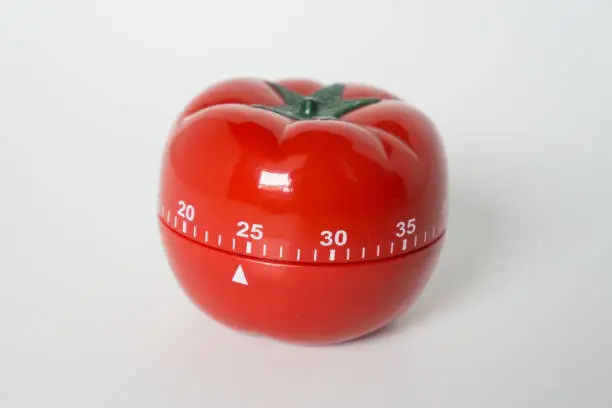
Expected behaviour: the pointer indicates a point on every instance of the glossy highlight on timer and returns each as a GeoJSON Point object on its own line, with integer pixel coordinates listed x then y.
{"type": "Point", "coordinates": [308, 213]}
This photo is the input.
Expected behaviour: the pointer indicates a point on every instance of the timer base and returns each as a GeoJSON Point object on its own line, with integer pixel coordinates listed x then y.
{"type": "Point", "coordinates": [314, 304]}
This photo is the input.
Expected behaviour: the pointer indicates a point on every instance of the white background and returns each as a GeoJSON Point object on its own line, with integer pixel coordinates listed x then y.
{"type": "Point", "coordinates": [518, 313]}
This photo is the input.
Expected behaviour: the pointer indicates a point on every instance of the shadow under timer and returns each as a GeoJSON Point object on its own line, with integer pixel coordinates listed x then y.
{"type": "Point", "coordinates": [311, 214]}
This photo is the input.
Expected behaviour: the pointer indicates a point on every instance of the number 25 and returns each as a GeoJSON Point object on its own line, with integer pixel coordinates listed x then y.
{"type": "Point", "coordinates": [254, 231]}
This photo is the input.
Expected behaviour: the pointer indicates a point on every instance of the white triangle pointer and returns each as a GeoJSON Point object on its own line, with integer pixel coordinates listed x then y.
{"type": "Point", "coordinates": [239, 276]}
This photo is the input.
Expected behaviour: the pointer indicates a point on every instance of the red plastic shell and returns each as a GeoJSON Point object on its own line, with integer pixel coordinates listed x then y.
{"type": "Point", "coordinates": [336, 224]}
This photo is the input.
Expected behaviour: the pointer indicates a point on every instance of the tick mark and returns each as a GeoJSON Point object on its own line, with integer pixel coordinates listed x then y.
{"type": "Point", "coordinates": [332, 254]}
{"type": "Point", "coordinates": [425, 237]}
{"type": "Point", "coordinates": [206, 236]}
{"type": "Point", "coordinates": [362, 252]}
{"type": "Point", "coordinates": [168, 217]}
{"type": "Point", "coordinates": [391, 247]}
{"type": "Point", "coordinates": [184, 227]}
{"type": "Point", "coordinates": [263, 249]}
{"type": "Point", "coordinates": [219, 239]}
{"type": "Point", "coordinates": [195, 231]}
{"type": "Point", "coordinates": [348, 253]}
{"type": "Point", "coordinates": [233, 244]}
{"type": "Point", "coordinates": [298, 254]}
{"type": "Point", "coordinates": [175, 221]}
{"type": "Point", "coordinates": [377, 250]}
{"type": "Point", "coordinates": [314, 255]}
{"type": "Point", "coordinates": [248, 247]}
{"type": "Point", "coordinates": [404, 244]}
{"type": "Point", "coordinates": [280, 252]}
{"type": "Point", "coordinates": [415, 240]}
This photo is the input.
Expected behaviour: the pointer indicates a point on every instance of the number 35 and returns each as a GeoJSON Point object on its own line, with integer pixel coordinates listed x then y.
{"type": "Point", "coordinates": [406, 228]}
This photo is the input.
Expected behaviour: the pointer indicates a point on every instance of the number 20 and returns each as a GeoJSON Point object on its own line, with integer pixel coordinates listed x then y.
{"type": "Point", "coordinates": [406, 228]}
{"type": "Point", "coordinates": [186, 210]}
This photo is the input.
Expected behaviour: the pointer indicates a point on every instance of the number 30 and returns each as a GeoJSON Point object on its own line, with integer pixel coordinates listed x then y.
{"type": "Point", "coordinates": [329, 238]}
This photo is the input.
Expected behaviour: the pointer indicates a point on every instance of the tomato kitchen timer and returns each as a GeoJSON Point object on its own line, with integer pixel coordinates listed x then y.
{"type": "Point", "coordinates": [307, 213]}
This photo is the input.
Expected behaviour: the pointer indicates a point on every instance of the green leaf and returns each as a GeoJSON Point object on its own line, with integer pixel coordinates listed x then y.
{"type": "Point", "coordinates": [286, 111]}
{"type": "Point", "coordinates": [346, 106]}
{"type": "Point", "coordinates": [326, 103]}
{"type": "Point", "coordinates": [330, 94]}
{"type": "Point", "coordinates": [290, 97]}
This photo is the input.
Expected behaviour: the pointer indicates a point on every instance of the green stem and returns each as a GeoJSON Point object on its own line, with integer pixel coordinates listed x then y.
{"type": "Point", "coordinates": [326, 103]}
{"type": "Point", "coordinates": [309, 107]}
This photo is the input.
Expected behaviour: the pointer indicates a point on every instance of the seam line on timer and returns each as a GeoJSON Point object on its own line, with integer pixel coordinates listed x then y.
{"type": "Point", "coordinates": [183, 228]}
{"type": "Point", "coordinates": [333, 255]}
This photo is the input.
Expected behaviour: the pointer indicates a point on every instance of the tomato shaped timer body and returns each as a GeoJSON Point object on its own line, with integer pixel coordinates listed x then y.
{"type": "Point", "coordinates": [308, 213]}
